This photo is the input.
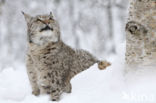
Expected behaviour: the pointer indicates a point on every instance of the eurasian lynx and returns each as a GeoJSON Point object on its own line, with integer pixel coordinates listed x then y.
{"type": "Point", "coordinates": [50, 63]}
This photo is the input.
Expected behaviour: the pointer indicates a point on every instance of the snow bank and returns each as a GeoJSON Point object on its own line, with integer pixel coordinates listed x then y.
{"type": "Point", "coordinates": [112, 85]}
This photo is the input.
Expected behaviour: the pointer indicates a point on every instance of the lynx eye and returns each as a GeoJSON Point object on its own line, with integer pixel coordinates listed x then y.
{"type": "Point", "coordinates": [38, 20]}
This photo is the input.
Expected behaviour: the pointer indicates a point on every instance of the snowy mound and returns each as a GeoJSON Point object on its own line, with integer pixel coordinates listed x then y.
{"type": "Point", "coordinates": [112, 85]}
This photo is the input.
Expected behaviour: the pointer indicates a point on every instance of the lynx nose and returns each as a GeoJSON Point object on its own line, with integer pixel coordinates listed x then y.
{"type": "Point", "coordinates": [46, 21]}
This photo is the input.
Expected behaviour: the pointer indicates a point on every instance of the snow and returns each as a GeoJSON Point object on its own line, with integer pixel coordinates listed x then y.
{"type": "Point", "coordinates": [113, 85]}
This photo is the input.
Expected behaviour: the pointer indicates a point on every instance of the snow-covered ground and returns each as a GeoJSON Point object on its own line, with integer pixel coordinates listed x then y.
{"type": "Point", "coordinates": [112, 85]}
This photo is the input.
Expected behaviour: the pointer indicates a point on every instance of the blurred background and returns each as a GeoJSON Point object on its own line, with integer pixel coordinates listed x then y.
{"type": "Point", "coordinates": [94, 25]}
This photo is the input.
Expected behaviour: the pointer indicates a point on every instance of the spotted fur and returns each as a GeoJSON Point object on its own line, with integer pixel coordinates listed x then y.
{"type": "Point", "coordinates": [51, 64]}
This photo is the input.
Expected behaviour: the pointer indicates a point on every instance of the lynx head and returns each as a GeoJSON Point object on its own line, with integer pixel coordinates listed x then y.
{"type": "Point", "coordinates": [42, 29]}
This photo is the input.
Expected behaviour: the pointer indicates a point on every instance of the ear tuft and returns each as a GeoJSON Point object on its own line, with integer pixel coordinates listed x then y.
{"type": "Point", "coordinates": [22, 12]}
{"type": "Point", "coordinates": [27, 17]}
{"type": "Point", "coordinates": [51, 14]}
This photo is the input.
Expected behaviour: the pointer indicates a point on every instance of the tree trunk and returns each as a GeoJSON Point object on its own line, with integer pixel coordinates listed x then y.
{"type": "Point", "coordinates": [73, 23]}
{"type": "Point", "coordinates": [1, 3]}
{"type": "Point", "coordinates": [110, 24]}
{"type": "Point", "coordinates": [141, 33]}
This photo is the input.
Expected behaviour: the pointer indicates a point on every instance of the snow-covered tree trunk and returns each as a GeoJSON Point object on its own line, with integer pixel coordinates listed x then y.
{"type": "Point", "coordinates": [1, 3]}
{"type": "Point", "coordinates": [141, 33]}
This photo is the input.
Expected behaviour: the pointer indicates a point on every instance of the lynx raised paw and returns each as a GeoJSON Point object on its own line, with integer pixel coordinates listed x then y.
{"type": "Point", "coordinates": [103, 64]}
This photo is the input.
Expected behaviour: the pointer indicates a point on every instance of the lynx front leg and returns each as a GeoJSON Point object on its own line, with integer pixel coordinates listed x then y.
{"type": "Point", "coordinates": [32, 76]}
{"type": "Point", "coordinates": [57, 87]}
{"type": "Point", "coordinates": [56, 93]}
{"type": "Point", "coordinates": [44, 83]}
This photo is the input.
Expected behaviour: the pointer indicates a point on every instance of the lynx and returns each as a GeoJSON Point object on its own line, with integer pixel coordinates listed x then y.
{"type": "Point", "coordinates": [51, 64]}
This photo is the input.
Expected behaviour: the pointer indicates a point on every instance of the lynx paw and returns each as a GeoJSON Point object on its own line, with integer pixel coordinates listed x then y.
{"type": "Point", "coordinates": [103, 64]}
{"type": "Point", "coordinates": [55, 98]}
{"type": "Point", "coordinates": [36, 92]}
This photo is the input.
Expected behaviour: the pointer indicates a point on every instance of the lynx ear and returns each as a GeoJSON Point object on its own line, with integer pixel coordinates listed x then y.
{"type": "Point", "coordinates": [51, 14]}
{"type": "Point", "coordinates": [27, 17]}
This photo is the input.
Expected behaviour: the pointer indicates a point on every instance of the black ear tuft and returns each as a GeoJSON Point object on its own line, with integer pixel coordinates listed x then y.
{"type": "Point", "coordinates": [51, 14]}
{"type": "Point", "coordinates": [27, 17]}
{"type": "Point", "coordinates": [22, 12]}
